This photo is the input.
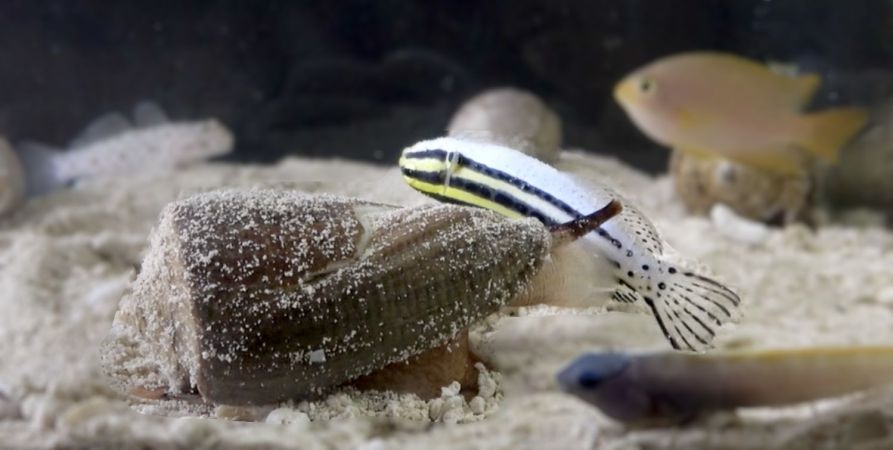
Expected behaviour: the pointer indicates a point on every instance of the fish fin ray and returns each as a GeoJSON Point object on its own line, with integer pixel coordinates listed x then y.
{"type": "Point", "coordinates": [826, 132]}
{"type": "Point", "coordinates": [624, 293]}
{"type": "Point", "coordinates": [803, 88]}
{"type": "Point", "coordinates": [103, 127]}
{"type": "Point", "coordinates": [147, 113]}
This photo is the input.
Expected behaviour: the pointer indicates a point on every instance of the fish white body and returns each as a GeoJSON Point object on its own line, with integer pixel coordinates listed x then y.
{"type": "Point", "coordinates": [112, 146]}
{"type": "Point", "coordinates": [685, 304]}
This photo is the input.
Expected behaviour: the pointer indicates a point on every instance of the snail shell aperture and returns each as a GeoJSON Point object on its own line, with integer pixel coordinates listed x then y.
{"type": "Point", "coordinates": [258, 296]}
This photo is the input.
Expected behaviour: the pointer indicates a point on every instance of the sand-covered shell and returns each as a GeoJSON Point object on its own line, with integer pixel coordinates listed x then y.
{"type": "Point", "coordinates": [510, 117]}
{"type": "Point", "coordinates": [258, 296]}
{"type": "Point", "coordinates": [752, 193]}
{"type": "Point", "coordinates": [12, 178]}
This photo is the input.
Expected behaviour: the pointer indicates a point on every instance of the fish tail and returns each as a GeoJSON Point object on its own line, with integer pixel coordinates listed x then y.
{"type": "Point", "coordinates": [41, 167]}
{"type": "Point", "coordinates": [826, 132]}
{"type": "Point", "coordinates": [688, 307]}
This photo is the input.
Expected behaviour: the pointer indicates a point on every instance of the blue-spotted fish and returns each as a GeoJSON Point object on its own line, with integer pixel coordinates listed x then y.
{"type": "Point", "coordinates": [687, 306]}
{"type": "Point", "coordinates": [719, 104]}
{"type": "Point", "coordinates": [113, 145]}
{"type": "Point", "coordinates": [671, 387]}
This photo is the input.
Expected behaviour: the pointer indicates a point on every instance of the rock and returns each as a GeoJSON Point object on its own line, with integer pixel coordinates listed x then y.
{"type": "Point", "coordinates": [863, 175]}
{"type": "Point", "coordinates": [513, 118]}
{"type": "Point", "coordinates": [736, 227]}
{"type": "Point", "coordinates": [702, 183]}
{"type": "Point", "coordinates": [12, 178]}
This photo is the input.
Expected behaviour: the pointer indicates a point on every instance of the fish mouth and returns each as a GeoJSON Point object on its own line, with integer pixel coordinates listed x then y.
{"type": "Point", "coordinates": [624, 92]}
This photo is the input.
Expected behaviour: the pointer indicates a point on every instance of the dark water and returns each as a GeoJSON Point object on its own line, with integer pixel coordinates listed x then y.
{"type": "Point", "coordinates": [364, 78]}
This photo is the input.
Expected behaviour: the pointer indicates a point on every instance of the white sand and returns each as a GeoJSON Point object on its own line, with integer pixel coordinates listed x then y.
{"type": "Point", "coordinates": [66, 259]}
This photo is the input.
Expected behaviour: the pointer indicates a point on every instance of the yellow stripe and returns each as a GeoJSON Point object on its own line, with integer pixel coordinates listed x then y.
{"type": "Point", "coordinates": [423, 164]}
{"type": "Point", "coordinates": [496, 184]}
{"type": "Point", "coordinates": [461, 196]}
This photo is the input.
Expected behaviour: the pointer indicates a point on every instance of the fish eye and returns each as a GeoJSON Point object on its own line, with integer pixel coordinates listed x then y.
{"type": "Point", "coordinates": [589, 379]}
{"type": "Point", "coordinates": [646, 85]}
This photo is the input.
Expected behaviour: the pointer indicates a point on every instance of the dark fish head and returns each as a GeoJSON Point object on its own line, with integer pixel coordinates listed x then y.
{"type": "Point", "coordinates": [587, 373]}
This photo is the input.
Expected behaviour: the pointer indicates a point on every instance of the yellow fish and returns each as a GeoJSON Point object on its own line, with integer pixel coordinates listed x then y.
{"type": "Point", "coordinates": [717, 104]}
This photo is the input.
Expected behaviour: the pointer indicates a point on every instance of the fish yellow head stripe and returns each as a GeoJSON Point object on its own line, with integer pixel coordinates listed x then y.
{"type": "Point", "coordinates": [460, 196]}
{"type": "Point", "coordinates": [423, 164]}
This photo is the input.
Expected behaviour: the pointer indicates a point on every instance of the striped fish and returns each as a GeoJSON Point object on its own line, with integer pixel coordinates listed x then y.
{"type": "Point", "coordinates": [686, 305]}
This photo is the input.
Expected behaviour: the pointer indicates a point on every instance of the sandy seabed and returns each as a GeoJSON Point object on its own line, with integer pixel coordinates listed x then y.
{"type": "Point", "coordinates": [66, 260]}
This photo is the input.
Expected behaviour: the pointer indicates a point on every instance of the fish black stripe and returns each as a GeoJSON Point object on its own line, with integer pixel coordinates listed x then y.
{"type": "Point", "coordinates": [718, 288]}
{"type": "Point", "coordinates": [701, 308]}
{"type": "Point", "coordinates": [480, 190]}
{"type": "Point", "coordinates": [685, 324]}
{"type": "Point", "coordinates": [524, 186]}
{"type": "Point", "coordinates": [428, 177]}
{"type": "Point", "coordinates": [445, 199]}
{"type": "Point", "coordinates": [501, 198]}
{"type": "Point", "coordinates": [437, 154]}
{"type": "Point", "coordinates": [697, 319]}
{"type": "Point", "coordinates": [660, 322]}
{"type": "Point", "coordinates": [495, 195]}
{"type": "Point", "coordinates": [723, 308]}
{"type": "Point", "coordinates": [730, 296]}
{"type": "Point", "coordinates": [625, 284]}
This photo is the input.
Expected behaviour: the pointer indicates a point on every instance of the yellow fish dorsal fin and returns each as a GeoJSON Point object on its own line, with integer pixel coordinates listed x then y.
{"type": "Point", "coordinates": [801, 88]}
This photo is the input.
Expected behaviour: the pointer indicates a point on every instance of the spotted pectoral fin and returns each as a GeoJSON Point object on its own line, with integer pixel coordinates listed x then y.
{"type": "Point", "coordinates": [625, 294]}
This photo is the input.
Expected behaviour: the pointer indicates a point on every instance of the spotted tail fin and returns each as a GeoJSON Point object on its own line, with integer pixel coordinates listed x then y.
{"type": "Point", "coordinates": [688, 307]}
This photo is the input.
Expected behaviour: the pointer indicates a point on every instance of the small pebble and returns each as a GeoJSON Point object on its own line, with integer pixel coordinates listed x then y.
{"type": "Point", "coordinates": [288, 416]}
{"type": "Point", "coordinates": [237, 413]}
{"type": "Point", "coordinates": [477, 405]}
{"type": "Point", "coordinates": [451, 390]}
{"type": "Point", "coordinates": [453, 416]}
{"type": "Point", "coordinates": [486, 383]}
{"type": "Point", "coordinates": [736, 227]}
{"type": "Point", "coordinates": [435, 409]}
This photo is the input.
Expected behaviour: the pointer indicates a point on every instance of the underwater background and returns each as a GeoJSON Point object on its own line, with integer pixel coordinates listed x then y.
{"type": "Point", "coordinates": [363, 79]}
{"type": "Point", "coordinates": [224, 224]}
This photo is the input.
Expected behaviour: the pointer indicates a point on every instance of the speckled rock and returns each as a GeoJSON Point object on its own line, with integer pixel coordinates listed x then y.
{"type": "Point", "coordinates": [754, 194]}
{"type": "Point", "coordinates": [12, 178]}
{"type": "Point", "coordinates": [511, 117]}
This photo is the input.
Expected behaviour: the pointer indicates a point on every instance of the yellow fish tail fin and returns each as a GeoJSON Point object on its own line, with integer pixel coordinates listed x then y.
{"type": "Point", "coordinates": [828, 131]}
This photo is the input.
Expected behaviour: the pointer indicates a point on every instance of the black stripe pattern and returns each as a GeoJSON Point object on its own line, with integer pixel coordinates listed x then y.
{"type": "Point", "coordinates": [495, 195]}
